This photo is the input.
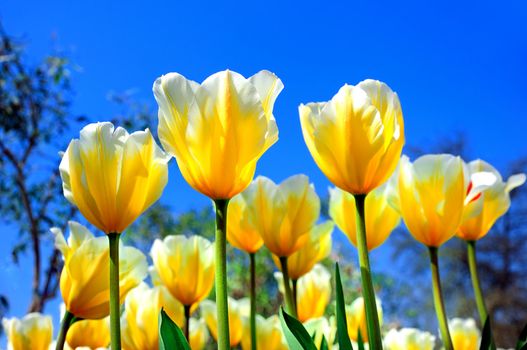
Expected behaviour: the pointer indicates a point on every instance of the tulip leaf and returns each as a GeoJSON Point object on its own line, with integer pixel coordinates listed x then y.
{"type": "Point", "coordinates": [324, 344]}
{"type": "Point", "coordinates": [296, 335]}
{"type": "Point", "coordinates": [522, 342]}
{"type": "Point", "coordinates": [486, 336]}
{"type": "Point", "coordinates": [342, 324]}
{"type": "Point", "coordinates": [360, 342]}
{"type": "Point", "coordinates": [170, 336]}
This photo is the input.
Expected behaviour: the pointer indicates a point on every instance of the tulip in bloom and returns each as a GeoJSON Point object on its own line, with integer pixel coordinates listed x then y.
{"type": "Point", "coordinates": [139, 322]}
{"type": "Point", "coordinates": [317, 248]}
{"type": "Point", "coordinates": [486, 205]}
{"type": "Point", "coordinates": [381, 217]}
{"type": "Point", "coordinates": [465, 334]}
{"type": "Point", "coordinates": [113, 176]}
{"type": "Point", "coordinates": [432, 197]}
{"type": "Point", "coordinates": [284, 214]}
{"type": "Point", "coordinates": [33, 332]}
{"type": "Point", "coordinates": [89, 334]}
{"type": "Point", "coordinates": [242, 231]}
{"type": "Point", "coordinates": [84, 281]}
{"type": "Point", "coordinates": [269, 334]}
{"type": "Point", "coordinates": [199, 335]}
{"type": "Point", "coordinates": [185, 266]}
{"type": "Point", "coordinates": [217, 130]}
{"type": "Point", "coordinates": [237, 311]}
{"type": "Point", "coordinates": [409, 339]}
{"type": "Point", "coordinates": [356, 318]}
{"type": "Point", "coordinates": [357, 137]}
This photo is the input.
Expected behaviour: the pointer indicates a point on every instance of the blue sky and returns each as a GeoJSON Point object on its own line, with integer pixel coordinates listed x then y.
{"type": "Point", "coordinates": [457, 66]}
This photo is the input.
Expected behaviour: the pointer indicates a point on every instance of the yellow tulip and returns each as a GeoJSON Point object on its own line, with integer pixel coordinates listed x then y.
{"type": "Point", "coordinates": [139, 322]}
{"type": "Point", "coordinates": [409, 339]}
{"type": "Point", "coordinates": [218, 130]}
{"type": "Point", "coordinates": [33, 332]}
{"type": "Point", "coordinates": [317, 248]}
{"type": "Point", "coordinates": [356, 139]}
{"type": "Point", "coordinates": [242, 231]}
{"type": "Point", "coordinates": [487, 205]}
{"type": "Point", "coordinates": [268, 334]}
{"type": "Point", "coordinates": [283, 214]}
{"type": "Point", "coordinates": [381, 217]}
{"type": "Point", "coordinates": [199, 335]}
{"type": "Point", "coordinates": [313, 292]}
{"type": "Point", "coordinates": [84, 281]}
{"type": "Point", "coordinates": [185, 266]}
{"type": "Point", "coordinates": [356, 318]}
{"type": "Point", "coordinates": [113, 176]}
{"type": "Point", "coordinates": [431, 197]}
{"type": "Point", "coordinates": [89, 334]}
{"type": "Point", "coordinates": [322, 327]}
{"type": "Point", "coordinates": [237, 310]}
{"type": "Point", "coordinates": [465, 335]}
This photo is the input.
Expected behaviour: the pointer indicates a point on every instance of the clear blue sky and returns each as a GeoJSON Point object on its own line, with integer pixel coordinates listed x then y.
{"type": "Point", "coordinates": [455, 65]}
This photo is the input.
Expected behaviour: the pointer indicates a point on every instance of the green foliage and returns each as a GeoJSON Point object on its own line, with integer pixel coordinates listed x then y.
{"type": "Point", "coordinates": [342, 324]}
{"type": "Point", "coordinates": [486, 337]}
{"type": "Point", "coordinates": [296, 335]}
{"type": "Point", "coordinates": [522, 341]}
{"type": "Point", "coordinates": [170, 336]}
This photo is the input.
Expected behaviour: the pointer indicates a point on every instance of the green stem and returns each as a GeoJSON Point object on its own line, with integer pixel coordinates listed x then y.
{"type": "Point", "coordinates": [370, 303]}
{"type": "Point", "coordinates": [295, 300]}
{"type": "Point", "coordinates": [115, 305]}
{"type": "Point", "coordinates": [186, 309]}
{"type": "Point", "coordinates": [438, 300]}
{"type": "Point", "coordinates": [221, 274]}
{"type": "Point", "coordinates": [480, 301]}
{"type": "Point", "coordinates": [253, 300]}
{"type": "Point", "coordinates": [65, 325]}
{"type": "Point", "coordinates": [289, 303]}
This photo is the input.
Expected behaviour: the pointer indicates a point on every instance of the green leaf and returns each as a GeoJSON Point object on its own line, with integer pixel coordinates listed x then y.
{"type": "Point", "coordinates": [342, 324]}
{"type": "Point", "coordinates": [522, 342]}
{"type": "Point", "coordinates": [170, 336]}
{"type": "Point", "coordinates": [486, 336]}
{"type": "Point", "coordinates": [324, 344]}
{"type": "Point", "coordinates": [296, 335]}
{"type": "Point", "coordinates": [360, 342]}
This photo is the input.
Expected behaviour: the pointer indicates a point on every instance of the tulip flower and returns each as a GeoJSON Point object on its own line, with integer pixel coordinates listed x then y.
{"type": "Point", "coordinates": [269, 335]}
{"type": "Point", "coordinates": [485, 205]}
{"type": "Point", "coordinates": [284, 215]}
{"type": "Point", "coordinates": [186, 267]}
{"type": "Point", "coordinates": [199, 335]}
{"type": "Point", "coordinates": [313, 292]}
{"type": "Point", "coordinates": [465, 334]}
{"type": "Point", "coordinates": [356, 139]}
{"type": "Point", "coordinates": [112, 177]}
{"type": "Point", "coordinates": [431, 200]}
{"type": "Point", "coordinates": [381, 218]}
{"type": "Point", "coordinates": [409, 339]}
{"type": "Point", "coordinates": [243, 234]}
{"type": "Point", "coordinates": [84, 281]}
{"type": "Point", "coordinates": [89, 334]}
{"type": "Point", "coordinates": [356, 318]}
{"type": "Point", "coordinates": [139, 321]}
{"type": "Point", "coordinates": [322, 327]}
{"type": "Point", "coordinates": [217, 131]}
{"type": "Point", "coordinates": [33, 332]}
{"type": "Point", "coordinates": [236, 314]}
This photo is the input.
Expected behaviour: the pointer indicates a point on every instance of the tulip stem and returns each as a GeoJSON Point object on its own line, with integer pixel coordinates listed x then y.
{"type": "Point", "coordinates": [438, 300]}
{"type": "Point", "coordinates": [289, 303]}
{"type": "Point", "coordinates": [186, 309]}
{"type": "Point", "coordinates": [370, 303]}
{"type": "Point", "coordinates": [252, 261]}
{"type": "Point", "coordinates": [295, 302]}
{"type": "Point", "coordinates": [480, 301]}
{"type": "Point", "coordinates": [115, 311]}
{"type": "Point", "coordinates": [67, 321]}
{"type": "Point", "coordinates": [221, 274]}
